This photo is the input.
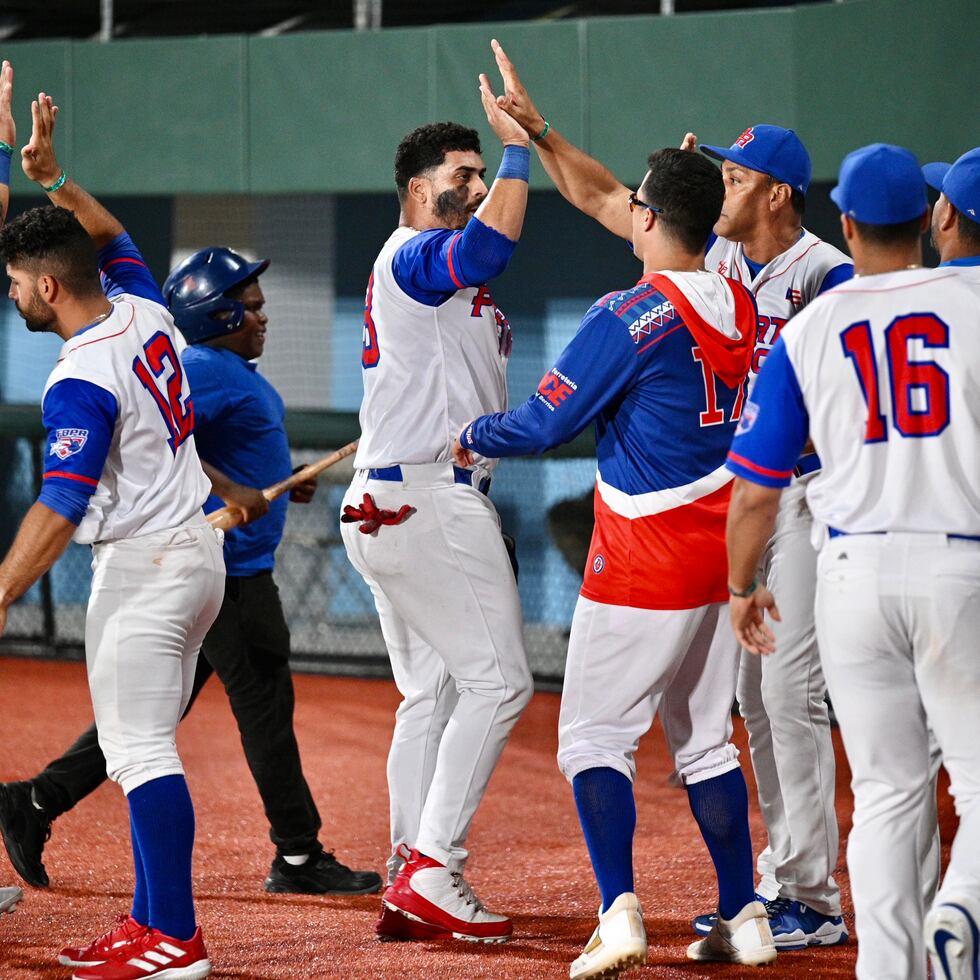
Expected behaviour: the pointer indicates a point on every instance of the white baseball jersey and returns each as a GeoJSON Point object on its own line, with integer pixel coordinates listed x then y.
{"type": "Point", "coordinates": [432, 360]}
{"type": "Point", "coordinates": [152, 478]}
{"type": "Point", "coordinates": [783, 286]}
{"type": "Point", "coordinates": [884, 372]}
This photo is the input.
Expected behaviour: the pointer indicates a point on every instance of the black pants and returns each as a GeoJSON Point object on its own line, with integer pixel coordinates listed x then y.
{"type": "Point", "coordinates": [248, 648]}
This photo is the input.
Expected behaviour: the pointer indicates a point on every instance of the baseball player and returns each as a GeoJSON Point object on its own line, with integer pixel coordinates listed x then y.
{"type": "Point", "coordinates": [660, 367]}
{"type": "Point", "coordinates": [218, 304]}
{"type": "Point", "coordinates": [422, 532]}
{"type": "Point", "coordinates": [122, 474]}
{"type": "Point", "coordinates": [9, 896]}
{"type": "Point", "coordinates": [956, 216]}
{"type": "Point", "coordinates": [882, 374]}
{"type": "Point", "coordinates": [759, 242]}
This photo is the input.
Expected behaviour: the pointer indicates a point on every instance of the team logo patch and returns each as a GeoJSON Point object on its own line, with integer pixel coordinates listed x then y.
{"type": "Point", "coordinates": [723, 268]}
{"type": "Point", "coordinates": [745, 138]}
{"type": "Point", "coordinates": [554, 388]}
{"type": "Point", "coordinates": [795, 297]}
{"type": "Point", "coordinates": [598, 564]}
{"type": "Point", "coordinates": [749, 414]}
{"type": "Point", "coordinates": [67, 442]}
{"type": "Point", "coordinates": [649, 321]}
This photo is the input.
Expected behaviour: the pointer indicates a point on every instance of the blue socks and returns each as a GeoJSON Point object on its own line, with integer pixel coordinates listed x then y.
{"type": "Point", "coordinates": [607, 812]}
{"type": "Point", "coordinates": [721, 808]}
{"type": "Point", "coordinates": [162, 818]}
{"type": "Point", "coordinates": [141, 898]}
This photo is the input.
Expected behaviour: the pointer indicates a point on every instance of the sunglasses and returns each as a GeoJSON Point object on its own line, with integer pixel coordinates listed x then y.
{"type": "Point", "coordinates": [635, 202]}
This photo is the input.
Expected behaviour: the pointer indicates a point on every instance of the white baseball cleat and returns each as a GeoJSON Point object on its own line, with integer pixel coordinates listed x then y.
{"type": "Point", "coordinates": [618, 943]}
{"type": "Point", "coordinates": [9, 897]}
{"type": "Point", "coordinates": [953, 940]}
{"type": "Point", "coordinates": [746, 939]}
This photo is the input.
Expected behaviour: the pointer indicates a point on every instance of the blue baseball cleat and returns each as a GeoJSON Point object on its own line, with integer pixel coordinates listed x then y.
{"type": "Point", "coordinates": [797, 926]}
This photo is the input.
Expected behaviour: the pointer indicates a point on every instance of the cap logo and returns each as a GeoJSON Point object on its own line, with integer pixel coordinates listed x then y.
{"type": "Point", "coordinates": [745, 138]}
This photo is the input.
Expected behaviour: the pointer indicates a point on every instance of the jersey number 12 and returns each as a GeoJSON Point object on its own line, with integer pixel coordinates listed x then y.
{"type": "Point", "coordinates": [919, 389]}
{"type": "Point", "coordinates": [178, 418]}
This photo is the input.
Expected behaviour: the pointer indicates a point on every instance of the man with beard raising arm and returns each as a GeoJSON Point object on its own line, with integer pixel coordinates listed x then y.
{"type": "Point", "coordinates": [421, 531]}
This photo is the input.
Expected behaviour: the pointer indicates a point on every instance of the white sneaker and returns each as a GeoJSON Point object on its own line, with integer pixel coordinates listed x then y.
{"type": "Point", "coordinates": [9, 897]}
{"type": "Point", "coordinates": [428, 892]}
{"type": "Point", "coordinates": [746, 939]}
{"type": "Point", "coordinates": [618, 943]}
{"type": "Point", "coordinates": [953, 940]}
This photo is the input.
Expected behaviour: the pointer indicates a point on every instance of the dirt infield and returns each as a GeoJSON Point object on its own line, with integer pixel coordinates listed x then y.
{"type": "Point", "coordinates": [528, 856]}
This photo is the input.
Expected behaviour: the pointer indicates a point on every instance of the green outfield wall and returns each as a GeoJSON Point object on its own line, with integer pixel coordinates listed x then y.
{"type": "Point", "coordinates": [323, 112]}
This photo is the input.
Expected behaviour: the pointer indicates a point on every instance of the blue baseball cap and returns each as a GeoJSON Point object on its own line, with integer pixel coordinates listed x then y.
{"type": "Point", "coordinates": [959, 181]}
{"type": "Point", "coordinates": [770, 150]}
{"type": "Point", "coordinates": [881, 184]}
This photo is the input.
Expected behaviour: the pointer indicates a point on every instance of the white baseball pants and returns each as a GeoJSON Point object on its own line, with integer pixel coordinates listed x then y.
{"type": "Point", "coordinates": [898, 617]}
{"type": "Point", "coordinates": [782, 701]}
{"type": "Point", "coordinates": [624, 664]}
{"type": "Point", "coordinates": [451, 618]}
{"type": "Point", "coordinates": [153, 599]}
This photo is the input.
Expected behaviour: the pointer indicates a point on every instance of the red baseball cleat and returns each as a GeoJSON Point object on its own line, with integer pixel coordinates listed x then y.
{"type": "Point", "coordinates": [152, 954]}
{"type": "Point", "coordinates": [429, 894]}
{"type": "Point", "coordinates": [126, 930]}
{"type": "Point", "coordinates": [395, 926]}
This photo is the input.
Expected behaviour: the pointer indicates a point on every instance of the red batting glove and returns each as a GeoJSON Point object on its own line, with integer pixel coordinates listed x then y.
{"type": "Point", "coordinates": [371, 517]}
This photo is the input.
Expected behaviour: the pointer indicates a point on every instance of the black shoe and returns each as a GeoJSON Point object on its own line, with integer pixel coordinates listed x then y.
{"type": "Point", "coordinates": [26, 830]}
{"type": "Point", "coordinates": [322, 874]}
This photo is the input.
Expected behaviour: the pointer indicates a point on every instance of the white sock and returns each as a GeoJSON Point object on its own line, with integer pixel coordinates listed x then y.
{"type": "Point", "coordinates": [296, 859]}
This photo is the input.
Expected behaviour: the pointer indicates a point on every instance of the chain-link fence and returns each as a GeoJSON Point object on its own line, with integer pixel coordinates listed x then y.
{"type": "Point", "coordinates": [544, 504]}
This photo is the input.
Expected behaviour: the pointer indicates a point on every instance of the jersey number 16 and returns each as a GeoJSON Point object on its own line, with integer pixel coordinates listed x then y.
{"type": "Point", "coordinates": [919, 389]}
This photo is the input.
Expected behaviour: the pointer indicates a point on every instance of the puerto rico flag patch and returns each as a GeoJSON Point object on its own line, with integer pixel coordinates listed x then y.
{"type": "Point", "coordinates": [67, 442]}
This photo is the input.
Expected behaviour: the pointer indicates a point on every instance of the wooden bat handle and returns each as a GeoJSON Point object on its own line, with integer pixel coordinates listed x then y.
{"type": "Point", "coordinates": [229, 517]}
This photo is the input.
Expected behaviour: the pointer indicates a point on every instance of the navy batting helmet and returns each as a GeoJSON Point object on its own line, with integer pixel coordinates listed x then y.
{"type": "Point", "coordinates": [195, 292]}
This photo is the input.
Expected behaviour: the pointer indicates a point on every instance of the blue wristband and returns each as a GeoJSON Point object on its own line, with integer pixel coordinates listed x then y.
{"type": "Point", "coordinates": [4, 166]}
{"type": "Point", "coordinates": [516, 164]}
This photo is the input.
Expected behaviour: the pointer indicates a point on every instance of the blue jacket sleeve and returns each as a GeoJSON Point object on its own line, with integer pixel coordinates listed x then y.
{"type": "Point", "coordinates": [837, 275]}
{"type": "Point", "coordinates": [435, 264]}
{"type": "Point", "coordinates": [774, 425]}
{"type": "Point", "coordinates": [124, 271]}
{"type": "Point", "coordinates": [80, 418]}
{"type": "Point", "coordinates": [592, 371]}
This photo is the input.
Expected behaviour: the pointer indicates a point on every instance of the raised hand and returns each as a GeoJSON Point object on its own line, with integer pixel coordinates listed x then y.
{"type": "Point", "coordinates": [689, 143]}
{"type": "Point", "coordinates": [515, 101]}
{"type": "Point", "coordinates": [8, 131]}
{"type": "Point", "coordinates": [38, 159]}
{"type": "Point", "coordinates": [507, 129]}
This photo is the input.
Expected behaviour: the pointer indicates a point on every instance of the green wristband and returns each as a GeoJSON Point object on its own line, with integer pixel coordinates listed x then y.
{"type": "Point", "coordinates": [543, 133]}
{"type": "Point", "coordinates": [745, 593]}
{"type": "Point", "coordinates": [58, 184]}
{"type": "Point", "coordinates": [6, 148]}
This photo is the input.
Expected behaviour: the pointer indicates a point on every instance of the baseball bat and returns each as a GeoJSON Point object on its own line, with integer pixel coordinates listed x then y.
{"type": "Point", "coordinates": [229, 517]}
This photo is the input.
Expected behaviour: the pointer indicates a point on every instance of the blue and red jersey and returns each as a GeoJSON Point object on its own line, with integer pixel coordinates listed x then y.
{"type": "Point", "coordinates": [660, 368]}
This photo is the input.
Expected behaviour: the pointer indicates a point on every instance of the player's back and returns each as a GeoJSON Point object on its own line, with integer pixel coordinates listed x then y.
{"type": "Point", "coordinates": [431, 362]}
{"type": "Point", "coordinates": [152, 478]}
{"type": "Point", "coordinates": [889, 369]}
{"type": "Point", "coordinates": [662, 489]}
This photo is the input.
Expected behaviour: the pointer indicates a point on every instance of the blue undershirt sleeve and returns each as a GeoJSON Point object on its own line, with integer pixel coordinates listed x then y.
{"type": "Point", "coordinates": [592, 371]}
{"type": "Point", "coordinates": [774, 425]}
{"type": "Point", "coordinates": [80, 419]}
{"type": "Point", "coordinates": [434, 264]}
{"type": "Point", "coordinates": [837, 275]}
{"type": "Point", "coordinates": [124, 270]}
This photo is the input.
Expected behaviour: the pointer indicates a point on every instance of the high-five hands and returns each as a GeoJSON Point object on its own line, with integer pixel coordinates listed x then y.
{"type": "Point", "coordinates": [38, 159]}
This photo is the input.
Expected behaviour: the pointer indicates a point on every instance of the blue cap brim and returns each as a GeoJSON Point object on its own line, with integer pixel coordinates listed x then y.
{"type": "Point", "coordinates": [257, 268]}
{"type": "Point", "coordinates": [837, 197]}
{"type": "Point", "coordinates": [733, 155]}
{"type": "Point", "coordinates": [935, 174]}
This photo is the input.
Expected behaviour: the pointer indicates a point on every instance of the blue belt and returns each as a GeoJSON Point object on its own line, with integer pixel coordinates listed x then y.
{"type": "Point", "coordinates": [807, 464]}
{"type": "Point", "coordinates": [394, 475]}
{"type": "Point", "coordinates": [834, 533]}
